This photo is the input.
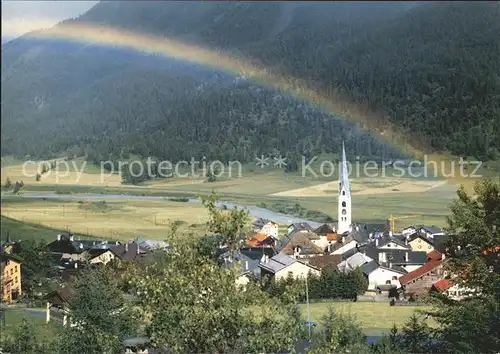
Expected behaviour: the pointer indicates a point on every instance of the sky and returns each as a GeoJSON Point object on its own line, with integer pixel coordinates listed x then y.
{"type": "Point", "coordinates": [19, 17]}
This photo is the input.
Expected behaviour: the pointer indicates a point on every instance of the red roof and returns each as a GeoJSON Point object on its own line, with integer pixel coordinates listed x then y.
{"type": "Point", "coordinates": [426, 268]}
{"type": "Point", "coordinates": [443, 284]}
{"type": "Point", "coordinates": [331, 237]}
{"type": "Point", "coordinates": [261, 237]}
{"type": "Point", "coordinates": [260, 240]}
{"type": "Point", "coordinates": [491, 250]}
{"type": "Point", "coordinates": [434, 255]}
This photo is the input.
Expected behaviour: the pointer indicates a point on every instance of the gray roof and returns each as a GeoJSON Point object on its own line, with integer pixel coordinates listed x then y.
{"type": "Point", "coordinates": [151, 244]}
{"type": "Point", "coordinates": [395, 268]}
{"type": "Point", "coordinates": [391, 239]}
{"type": "Point", "coordinates": [324, 229]}
{"type": "Point", "coordinates": [278, 262]}
{"type": "Point", "coordinates": [432, 229]}
{"type": "Point", "coordinates": [369, 267]}
{"type": "Point", "coordinates": [260, 222]}
{"type": "Point", "coordinates": [130, 252]}
{"type": "Point", "coordinates": [301, 226]}
{"type": "Point", "coordinates": [355, 261]}
{"type": "Point", "coordinates": [399, 257]}
{"type": "Point", "coordinates": [243, 262]}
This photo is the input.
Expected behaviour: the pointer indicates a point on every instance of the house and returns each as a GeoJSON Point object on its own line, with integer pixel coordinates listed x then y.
{"type": "Point", "coordinates": [346, 244]}
{"type": "Point", "coordinates": [356, 260]}
{"type": "Point", "coordinates": [261, 240]}
{"type": "Point", "coordinates": [420, 243]}
{"type": "Point", "coordinates": [66, 247]}
{"type": "Point", "coordinates": [270, 228]}
{"type": "Point", "coordinates": [453, 290]}
{"type": "Point", "coordinates": [10, 277]}
{"type": "Point", "coordinates": [152, 244]}
{"type": "Point", "coordinates": [258, 224]}
{"type": "Point", "coordinates": [281, 266]}
{"type": "Point", "coordinates": [324, 230]}
{"type": "Point", "coordinates": [420, 280]}
{"type": "Point", "coordinates": [380, 276]}
{"type": "Point", "coordinates": [391, 243]}
{"type": "Point", "coordinates": [300, 245]}
{"type": "Point", "coordinates": [246, 268]}
{"type": "Point", "coordinates": [430, 231]}
{"type": "Point", "coordinates": [319, 240]}
{"type": "Point", "coordinates": [299, 227]}
{"type": "Point", "coordinates": [130, 252]}
{"type": "Point", "coordinates": [325, 261]}
{"type": "Point", "coordinates": [408, 231]}
{"type": "Point", "coordinates": [58, 304]}
{"type": "Point", "coordinates": [408, 260]}
{"type": "Point", "coordinates": [99, 255]}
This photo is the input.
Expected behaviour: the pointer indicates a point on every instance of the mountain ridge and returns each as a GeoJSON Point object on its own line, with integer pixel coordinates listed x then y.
{"type": "Point", "coordinates": [334, 60]}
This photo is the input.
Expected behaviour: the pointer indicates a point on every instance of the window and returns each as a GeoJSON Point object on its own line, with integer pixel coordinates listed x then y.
{"type": "Point", "coordinates": [344, 211]}
{"type": "Point", "coordinates": [419, 247]}
{"type": "Point", "coordinates": [16, 280]}
{"type": "Point", "coordinates": [343, 204]}
{"type": "Point", "coordinates": [16, 268]}
{"type": "Point", "coordinates": [343, 192]}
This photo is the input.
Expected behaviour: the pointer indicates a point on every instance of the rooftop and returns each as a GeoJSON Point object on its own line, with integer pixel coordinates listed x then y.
{"type": "Point", "coordinates": [417, 273]}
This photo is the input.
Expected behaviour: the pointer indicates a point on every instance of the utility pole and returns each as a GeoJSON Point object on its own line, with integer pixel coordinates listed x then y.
{"type": "Point", "coordinates": [308, 312]}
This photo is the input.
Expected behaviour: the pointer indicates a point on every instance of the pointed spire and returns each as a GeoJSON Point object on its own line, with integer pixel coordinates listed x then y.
{"type": "Point", "coordinates": [344, 173]}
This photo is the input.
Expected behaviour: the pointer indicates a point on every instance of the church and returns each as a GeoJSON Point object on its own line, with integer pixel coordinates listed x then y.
{"type": "Point", "coordinates": [344, 202]}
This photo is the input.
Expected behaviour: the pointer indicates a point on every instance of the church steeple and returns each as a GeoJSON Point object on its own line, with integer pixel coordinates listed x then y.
{"type": "Point", "coordinates": [344, 207]}
{"type": "Point", "coordinates": [344, 174]}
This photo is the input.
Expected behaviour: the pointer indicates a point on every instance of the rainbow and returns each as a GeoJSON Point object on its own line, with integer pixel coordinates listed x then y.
{"type": "Point", "coordinates": [332, 103]}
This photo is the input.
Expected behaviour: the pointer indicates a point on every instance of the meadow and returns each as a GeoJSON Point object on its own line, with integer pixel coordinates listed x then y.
{"type": "Point", "coordinates": [373, 317]}
{"type": "Point", "coordinates": [15, 316]}
{"type": "Point", "coordinates": [122, 219]}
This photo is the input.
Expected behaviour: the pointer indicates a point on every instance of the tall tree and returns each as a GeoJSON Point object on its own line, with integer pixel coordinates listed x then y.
{"type": "Point", "coordinates": [100, 314]}
{"type": "Point", "coordinates": [471, 325]}
{"type": "Point", "coordinates": [229, 224]}
{"type": "Point", "coordinates": [37, 267]}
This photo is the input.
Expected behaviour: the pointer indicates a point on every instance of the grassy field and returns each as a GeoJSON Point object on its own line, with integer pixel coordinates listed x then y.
{"type": "Point", "coordinates": [372, 316]}
{"type": "Point", "coordinates": [14, 318]}
{"type": "Point", "coordinates": [116, 219]}
{"type": "Point", "coordinates": [18, 230]}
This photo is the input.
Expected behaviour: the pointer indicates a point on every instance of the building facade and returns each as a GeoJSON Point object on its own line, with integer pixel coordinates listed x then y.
{"type": "Point", "coordinates": [10, 278]}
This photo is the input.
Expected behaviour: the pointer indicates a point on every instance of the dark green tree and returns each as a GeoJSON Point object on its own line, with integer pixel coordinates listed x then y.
{"type": "Point", "coordinates": [37, 268]}
{"type": "Point", "coordinates": [471, 325]}
{"type": "Point", "coordinates": [102, 318]}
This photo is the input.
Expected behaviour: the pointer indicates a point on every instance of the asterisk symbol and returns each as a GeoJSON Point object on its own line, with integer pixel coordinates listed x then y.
{"type": "Point", "coordinates": [262, 161]}
{"type": "Point", "coordinates": [280, 161]}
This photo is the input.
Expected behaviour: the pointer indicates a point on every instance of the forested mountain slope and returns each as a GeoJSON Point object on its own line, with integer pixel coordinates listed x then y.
{"type": "Point", "coordinates": [433, 68]}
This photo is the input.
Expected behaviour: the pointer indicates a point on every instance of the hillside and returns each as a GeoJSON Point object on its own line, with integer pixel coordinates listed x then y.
{"type": "Point", "coordinates": [432, 68]}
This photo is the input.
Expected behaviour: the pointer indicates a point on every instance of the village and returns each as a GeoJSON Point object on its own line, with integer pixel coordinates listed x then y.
{"type": "Point", "coordinates": [399, 267]}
